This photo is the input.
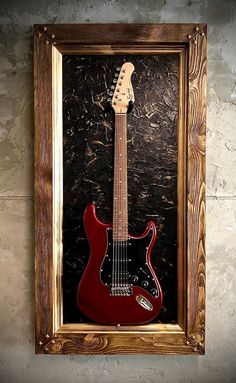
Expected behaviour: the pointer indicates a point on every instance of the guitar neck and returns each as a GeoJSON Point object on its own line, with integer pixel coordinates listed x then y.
{"type": "Point", "coordinates": [120, 206]}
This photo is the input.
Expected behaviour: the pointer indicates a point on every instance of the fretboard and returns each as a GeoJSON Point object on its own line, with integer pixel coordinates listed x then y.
{"type": "Point", "coordinates": [120, 206]}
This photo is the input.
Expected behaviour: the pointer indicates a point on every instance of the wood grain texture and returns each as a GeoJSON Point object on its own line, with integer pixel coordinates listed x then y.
{"type": "Point", "coordinates": [43, 190]}
{"type": "Point", "coordinates": [57, 339]}
{"type": "Point", "coordinates": [57, 164]}
{"type": "Point", "coordinates": [120, 344]}
{"type": "Point", "coordinates": [117, 49]}
{"type": "Point", "coordinates": [182, 192]}
{"type": "Point", "coordinates": [196, 187]}
{"type": "Point", "coordinates": [69, 34]}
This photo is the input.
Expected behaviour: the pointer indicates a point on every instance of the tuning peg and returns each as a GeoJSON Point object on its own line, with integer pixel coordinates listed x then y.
{"type": "Point", "coordinates": [112, 87]}
{"type": "Point", "coordinates": [118, 68]}
{"type": "Point", "coordinates": [110, 93]}
{"type": "Point", "coordinates": [109, 99]}
{"type": "Point", "coordinates": [115, 81]}
{"type": "Point", "coordinates": [116, 74]}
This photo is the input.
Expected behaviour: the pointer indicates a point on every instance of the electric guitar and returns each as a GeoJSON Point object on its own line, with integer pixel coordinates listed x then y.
{"type": "Point", "coordinates": [119, 285]}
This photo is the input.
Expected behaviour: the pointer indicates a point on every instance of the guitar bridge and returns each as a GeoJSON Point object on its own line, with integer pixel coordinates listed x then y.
{"type": "Point", "coordinates": [120, 291]}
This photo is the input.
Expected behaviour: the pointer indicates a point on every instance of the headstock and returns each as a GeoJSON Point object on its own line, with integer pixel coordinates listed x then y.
{"type": "Point", "coordinates": [123, 90]}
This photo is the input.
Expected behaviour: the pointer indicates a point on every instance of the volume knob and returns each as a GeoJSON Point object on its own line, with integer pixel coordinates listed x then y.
{"type": "Point", "coordinates": [144, 283]}
{"type": "Point", "coordinates": [154, 292]}
{"type": "Point", "coordinates": [134, 278]}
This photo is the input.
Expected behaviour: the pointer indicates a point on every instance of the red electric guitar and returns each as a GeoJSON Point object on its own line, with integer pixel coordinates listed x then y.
{"type": "Point", "coordinates": [119, 285]}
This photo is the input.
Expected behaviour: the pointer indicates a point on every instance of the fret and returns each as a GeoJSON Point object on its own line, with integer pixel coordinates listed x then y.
{"type": "Point", "coordinates": [120, 203]}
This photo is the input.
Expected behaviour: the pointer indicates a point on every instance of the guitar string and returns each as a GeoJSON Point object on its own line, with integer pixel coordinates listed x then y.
{"type": "Point", "coordinates": [121, 169]}
{"type": "Point", "coordinates": [115, 213]}
{"type": "Point", "coordinates": [120, 261]}
{"type": "Point", "coordinates": [121, 193]}
{"type": "Point", "coordinates": [124, 195]}
{"type": "Point", "coordinates": [120, 200]}
{"type": "Point", "coordinates": [117, 206]}
{"type": "Point", "coordinates": [119, 209]}
{"type": "Point", "coordinates": [117, 203]}
{"type": "Point", "coordinates": [120, 197]}
{"type": "Point", "coordinates": [125, 201]}
{"type": "Point", "coordinates": [120, 186]}
{"type": "Point", "coordinates": [113, 239]}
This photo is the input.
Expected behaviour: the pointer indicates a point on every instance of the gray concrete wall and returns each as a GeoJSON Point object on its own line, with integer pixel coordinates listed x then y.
{"type": "Point", "coordinates": [18, 362]}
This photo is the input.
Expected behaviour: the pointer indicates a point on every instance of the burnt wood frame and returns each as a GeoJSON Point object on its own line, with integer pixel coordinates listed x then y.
{"type": "Point", "coordinates": [51, 42]}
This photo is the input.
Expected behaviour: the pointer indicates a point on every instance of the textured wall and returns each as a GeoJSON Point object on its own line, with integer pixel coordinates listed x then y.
{"type": "Point", "coordinates": [18, 362]}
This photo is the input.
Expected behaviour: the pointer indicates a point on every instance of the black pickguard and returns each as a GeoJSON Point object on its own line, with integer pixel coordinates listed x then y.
{"type": "Point", "coordinates": [139, 273]}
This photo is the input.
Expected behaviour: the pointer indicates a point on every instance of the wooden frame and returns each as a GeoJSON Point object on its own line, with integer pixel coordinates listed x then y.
{"type": "Point", "coordinates": [51, 42]}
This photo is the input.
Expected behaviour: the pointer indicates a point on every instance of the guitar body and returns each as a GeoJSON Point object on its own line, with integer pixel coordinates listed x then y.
{"type": "Point", "coordinates": [143, 301]}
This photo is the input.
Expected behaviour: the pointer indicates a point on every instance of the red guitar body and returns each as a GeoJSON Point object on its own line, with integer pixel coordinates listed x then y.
{"type": "Point", "coordinates": [94, 295]}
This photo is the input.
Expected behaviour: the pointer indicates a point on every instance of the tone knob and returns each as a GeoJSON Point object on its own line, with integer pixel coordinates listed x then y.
{"type": "Point", "coordinates": [134, 278]}
{"type": "Point", "coordinates": [154, 292]}
{"type": "Point", "coordinates": [144, 283]}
